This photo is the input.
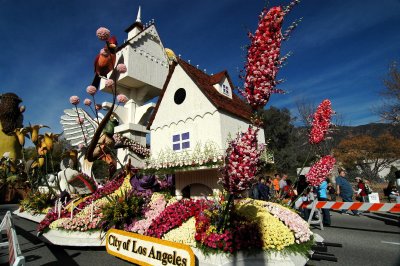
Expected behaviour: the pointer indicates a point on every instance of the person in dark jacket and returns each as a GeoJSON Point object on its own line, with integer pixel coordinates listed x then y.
{"type": "Point", "coordinates": [263, 189]}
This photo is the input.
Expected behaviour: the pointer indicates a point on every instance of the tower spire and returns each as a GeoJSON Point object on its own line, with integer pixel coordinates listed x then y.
{"type": "Point", "coordinates": [139, 15]}
{"type": "Point", "coordinates": [137, 26]}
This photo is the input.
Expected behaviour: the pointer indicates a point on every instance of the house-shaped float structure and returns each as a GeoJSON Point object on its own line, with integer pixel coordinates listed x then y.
{"type": "Point", "coordinates": [194, 109]}
{"type": "Point", "coordinates": [145, 58]}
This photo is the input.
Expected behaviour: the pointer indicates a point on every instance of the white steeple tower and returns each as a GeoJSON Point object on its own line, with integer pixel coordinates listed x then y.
{"type": "Point", "coordinates": [136, 27]}
{"type": "Point", "coordinates": [139, 15]}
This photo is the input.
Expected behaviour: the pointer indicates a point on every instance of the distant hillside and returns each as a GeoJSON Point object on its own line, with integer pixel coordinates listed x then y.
{"type": "Point", "coordinates": [341, 132]}
{"type": "Point", "coordinates": [373, 130]}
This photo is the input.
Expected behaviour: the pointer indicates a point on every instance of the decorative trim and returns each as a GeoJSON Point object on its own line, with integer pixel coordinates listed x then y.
{"type": "Point", "coordinates": [184, 121]}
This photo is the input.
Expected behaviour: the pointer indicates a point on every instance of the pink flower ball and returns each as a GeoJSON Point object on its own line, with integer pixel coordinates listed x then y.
{"type": "Point", "coordinates": [109, 83]}
{"type": "Point", "coordinates": [121, 68]}
{"type": "Point", "coordinates": [91, 90]}
{"type": "Point", "coordinates": [122, 98]}
{"type": "Point", "coordinates": [74, 100]}
{"type": "Point", "coordinates": [79, 120]}
{"type": "Point", "coordinates": [98, 107]}
{"type": "Point", "coordinates": [87, 102]}
{"type": "Point", "coordinates": [103, 34]}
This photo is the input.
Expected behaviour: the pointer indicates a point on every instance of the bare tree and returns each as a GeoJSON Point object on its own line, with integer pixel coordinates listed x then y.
{"type": "Point", "coordinates": [306, 110]}
{"type": "Point", "coordinates": [390, 109]}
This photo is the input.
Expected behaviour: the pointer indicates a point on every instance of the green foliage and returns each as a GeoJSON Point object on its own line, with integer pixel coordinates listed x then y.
{"type": "Point", "coordinates": [121, 210]}
{"type": "Point", "coordinates": [279, 132]}
{"type": "Point", "coordinates": [36, 202]}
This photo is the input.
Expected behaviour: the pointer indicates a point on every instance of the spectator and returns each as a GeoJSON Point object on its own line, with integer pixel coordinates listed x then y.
{"type": "Point", "coordinates": [289, 193]}
{"type": "Point", "coordinates": [263, 189]}
{"type": "Point", "coordinates": [361, 191]}
{"type": "Point", "coordinates": [344, 189]}
{"type": "Point", "coordinates": [301, 184]}
{"type": "Point", "coordinates": [275, 183]}
{"type": "Point", "coordinates": [368, 188]}
{"type": "Point", "coordinates": [282, 183]}
{"type": "Point", "coordinates": [322, 196]}
{"type": "Point", "coordinates": [331, 191]}
{"type": "Point", "coordinates": [392, 192]}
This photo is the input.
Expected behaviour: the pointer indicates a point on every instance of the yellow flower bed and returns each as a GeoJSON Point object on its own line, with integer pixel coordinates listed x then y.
{"type": "Point", "coordinates": [183, 234]}
{"type": "Point", "coordinates": [275, 234]}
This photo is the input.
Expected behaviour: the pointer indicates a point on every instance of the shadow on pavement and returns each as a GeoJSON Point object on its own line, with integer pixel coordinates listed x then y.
{"type": "Point", "coordinates": [27, 235]}
{"type": "Point", "coordinates": [366, 230]}
{"type": "Point", "coordinates": [389, 220]}
{"type": "Point", "coordinates": [63, 258]}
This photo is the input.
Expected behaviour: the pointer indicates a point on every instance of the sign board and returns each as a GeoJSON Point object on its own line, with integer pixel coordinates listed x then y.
{"type": "Point", "coordinates": [373, 198]}
{"type": "Point", "coordinates": [145, 250]}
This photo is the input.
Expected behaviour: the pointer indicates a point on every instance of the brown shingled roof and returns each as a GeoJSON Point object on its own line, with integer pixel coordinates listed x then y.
{"type": "Point", "coordinates": [205, 82]}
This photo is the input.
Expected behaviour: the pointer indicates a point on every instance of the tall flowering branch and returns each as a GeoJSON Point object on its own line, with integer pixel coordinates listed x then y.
{"type": "Point", "coordinates": [320, 170]}
{"type": "Point", "coordinates": [263, 58]}
{"type": "Point", "coordinates": [242, 161]}
{"type": "Point", "coordinates": [321, 122]}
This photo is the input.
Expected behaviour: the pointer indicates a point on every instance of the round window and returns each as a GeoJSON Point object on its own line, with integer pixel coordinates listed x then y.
{"type": "Point", "coordinates": [179, 96]}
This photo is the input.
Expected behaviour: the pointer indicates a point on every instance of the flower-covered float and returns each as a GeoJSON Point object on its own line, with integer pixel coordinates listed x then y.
{"type": "Point", "coordinates": [221, 229]}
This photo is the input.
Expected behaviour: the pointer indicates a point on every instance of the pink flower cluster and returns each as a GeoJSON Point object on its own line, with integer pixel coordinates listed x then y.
{"type": "Point", "coordinates": [240, 235]}
{"type": "Point", "coordinates": [132, 145]}
{"type": "Point", "coordinates": [79, 120]}
{"type": "Point", "coordinates": [242, 161]}
{"type": "Point", "coordinates": [263, 58]}
{"type": "Point", "coordinates": [103, 34]}
{"type": "Point", "coordinates": [320, 170]}
{"type": "Point", "coordinates": [174, 215]}
{"type": "Point", "coordinates": [294, 222]}
{"type": "Point", "coordinates": [109, 83]}
{"type": "Point", "coordinates": [74, 100]}
{"type": "Point", "coordinates": [121, 68]}
{"type": "Point", "coordinates": [87, 102]}
{"type": "Point", "coordinates": [121, 98]}
{"type": "Point", "coordinates": [82, 223]}
{"type": "Point", "coordinates": [321, 122]}
{"type": "Point", "coordinates": [155, 208]}
{"type": "Point", "coordinates": [91, 90]}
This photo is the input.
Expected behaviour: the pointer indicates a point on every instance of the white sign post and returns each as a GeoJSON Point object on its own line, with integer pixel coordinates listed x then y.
{"type": "Point", "coordinates": [373, 198]}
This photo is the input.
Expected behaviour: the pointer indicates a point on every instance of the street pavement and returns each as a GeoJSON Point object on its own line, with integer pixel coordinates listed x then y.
{"type": "Point", "coordinates": [371, 239]}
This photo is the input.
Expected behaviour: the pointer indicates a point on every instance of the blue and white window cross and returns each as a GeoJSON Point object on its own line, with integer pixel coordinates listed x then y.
{"type": "Point", "coordinates": [181, 141]}
{"type": "Point", "coordinates": [225, 89]}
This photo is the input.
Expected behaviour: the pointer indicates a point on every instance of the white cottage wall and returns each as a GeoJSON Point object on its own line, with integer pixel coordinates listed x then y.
{"type": "Point", "coordinates": [196, 115]}
{"type": "Point", "coordinates": [195, 104]}
{"type": "Point", "coordinates": [201, 130]}
{"type": "Point", "coordinates": [231, 125]}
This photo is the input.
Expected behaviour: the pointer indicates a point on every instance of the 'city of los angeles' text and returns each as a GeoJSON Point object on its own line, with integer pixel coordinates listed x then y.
{"type": "Point", "coordinates": [145, 250]}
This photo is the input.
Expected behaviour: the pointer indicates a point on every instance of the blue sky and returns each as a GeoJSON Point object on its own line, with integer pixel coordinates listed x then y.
{"type": "Point", "coordinates": [341, 50]}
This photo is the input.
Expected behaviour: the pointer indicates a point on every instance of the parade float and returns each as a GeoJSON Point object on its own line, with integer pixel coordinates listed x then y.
{"type": "Point", "coordinates": [183, 200]}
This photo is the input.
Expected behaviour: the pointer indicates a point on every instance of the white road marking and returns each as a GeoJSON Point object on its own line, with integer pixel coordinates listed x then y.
{"type": "Point", "coordinates": [392, 243]}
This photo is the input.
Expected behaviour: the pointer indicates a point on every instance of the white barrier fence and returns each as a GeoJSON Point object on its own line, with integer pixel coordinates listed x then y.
{"type": "Point", "coordinates": [15, 257]}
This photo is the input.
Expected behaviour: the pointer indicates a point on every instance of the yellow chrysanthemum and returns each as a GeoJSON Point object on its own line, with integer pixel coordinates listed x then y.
{"type": "Point", "coordinates": [183, 234]}
{"type": "Point", "coordinates": [275, 234]}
